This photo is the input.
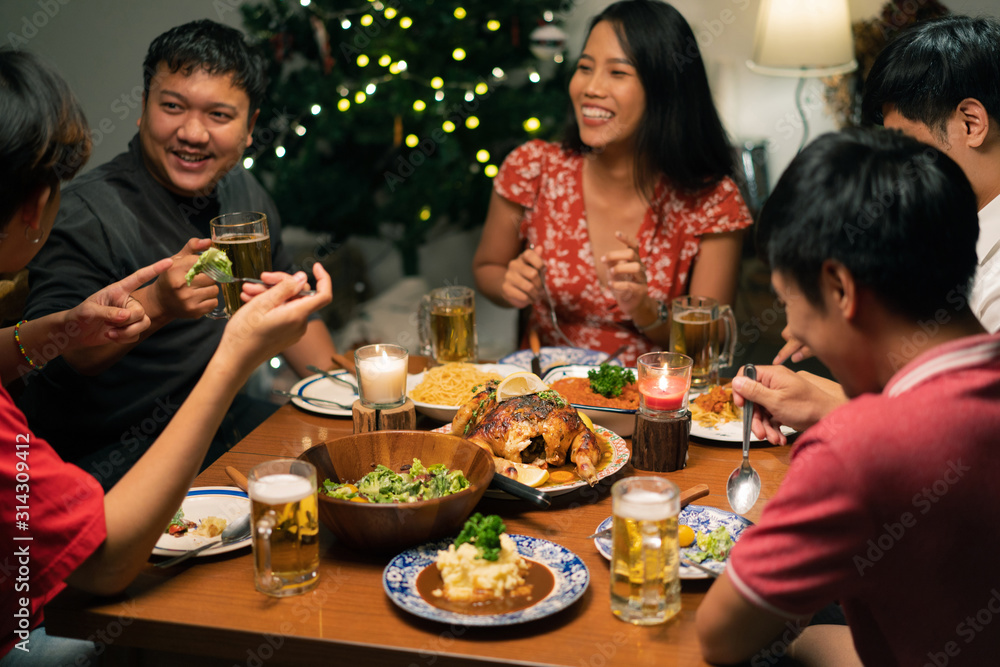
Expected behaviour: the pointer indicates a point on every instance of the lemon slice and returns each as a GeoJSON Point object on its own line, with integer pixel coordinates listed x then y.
{"type": "Point", "coordinates": [528, 474]}
{"type": "Point", "coordinates": [586, 421]}
{"type": "Point", "coordinates": [519, 384]}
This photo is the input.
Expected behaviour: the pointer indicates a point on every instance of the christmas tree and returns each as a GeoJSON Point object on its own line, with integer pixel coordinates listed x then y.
{"type": "Point", "coordinates": [391, 118]}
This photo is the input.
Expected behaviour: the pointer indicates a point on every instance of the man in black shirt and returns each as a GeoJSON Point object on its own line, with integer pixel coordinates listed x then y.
{"type": "Point", "coordinates": [103, 407]}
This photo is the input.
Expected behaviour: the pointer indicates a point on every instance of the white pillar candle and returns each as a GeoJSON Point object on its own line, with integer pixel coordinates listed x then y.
{"type": "Point", "coordinates": [382, 374]}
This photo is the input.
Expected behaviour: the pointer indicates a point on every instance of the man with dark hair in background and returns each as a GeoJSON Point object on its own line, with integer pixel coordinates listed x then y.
{"type": "Point", "coordinates": [103, 406]}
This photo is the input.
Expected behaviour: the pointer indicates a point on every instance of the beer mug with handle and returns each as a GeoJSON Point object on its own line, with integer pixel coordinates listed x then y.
{"type": "Point", "coordinates": [447, 324]}
{"type": "Point", "coordinates": [245, 239]}
{"type": "Point", "coordinates": [696, 330]}
{"type": "Point", "coordinates": [284, 513]}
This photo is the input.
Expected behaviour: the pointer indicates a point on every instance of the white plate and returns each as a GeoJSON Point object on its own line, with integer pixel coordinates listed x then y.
{"type": "Point", "coordinates": [620, 421]}
{"type": "Point", "coordinates": [225, 502]}
{"type": "Point", "coordinates": [571, 580]}
{"type": "Point", "coordinates": [550, 357]}
{"type": "Point", "coordinates": [445, 413]}
{"type": "Point", "coordinates": [728, 431]}
{"type": "Point", "coordinates": [701, 519]}
{"type": "Point", "coordinates": [319, 386]}
{"type": "Point", "coordinates": [619, 457]}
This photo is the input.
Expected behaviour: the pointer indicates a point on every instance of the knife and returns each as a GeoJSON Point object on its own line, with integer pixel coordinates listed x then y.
{"type": "Point", "coordinates": [519, 490]}
{"type": "Point", "coordinates": [536, 347]}
{"type": "Point", "coordinates": [687, 497]}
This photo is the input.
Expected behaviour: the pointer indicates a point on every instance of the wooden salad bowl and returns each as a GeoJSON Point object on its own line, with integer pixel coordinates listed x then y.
{"type": "Point", "coordinates": [396, 526]}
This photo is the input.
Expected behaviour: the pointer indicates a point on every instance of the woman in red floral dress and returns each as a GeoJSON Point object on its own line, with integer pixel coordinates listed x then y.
{"type": "Point", "coordinates": [635, 208]}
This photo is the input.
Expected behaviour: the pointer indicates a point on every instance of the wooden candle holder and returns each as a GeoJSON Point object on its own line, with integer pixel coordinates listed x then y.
{"type": "Point", "coordinates": [660, 445]}
{"type": "Point", "coordinates": [403, 418]}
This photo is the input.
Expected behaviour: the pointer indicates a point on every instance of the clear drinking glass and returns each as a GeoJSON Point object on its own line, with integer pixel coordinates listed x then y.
{"type": "Point", "coordinates": [645, 580]}
{"type": "Point", "coordinates": [284, 513]}
{"type": "Point", "coordinates": [695, 331]}
{"type": "Point", "coordinates": [664, 381]}
{"type": "Point", "coordinates": [447, 321]}
{"type": "Point", "coordinates": [245, 239]}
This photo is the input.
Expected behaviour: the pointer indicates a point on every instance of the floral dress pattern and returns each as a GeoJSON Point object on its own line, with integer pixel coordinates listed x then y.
{"type": "Point", "coordinates": [548, 182]}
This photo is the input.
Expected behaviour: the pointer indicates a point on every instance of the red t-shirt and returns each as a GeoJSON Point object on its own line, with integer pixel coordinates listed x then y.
{"type": "Point", "coordinates": [891, 505]}
{"type": "Point", "coordinates": [53, 520]}
{"type": "Point", "coordinates": [548, 182]}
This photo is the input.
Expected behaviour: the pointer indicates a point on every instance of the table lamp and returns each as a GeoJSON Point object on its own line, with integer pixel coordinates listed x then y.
{"type": "Point", "coordinates": [801, 39]}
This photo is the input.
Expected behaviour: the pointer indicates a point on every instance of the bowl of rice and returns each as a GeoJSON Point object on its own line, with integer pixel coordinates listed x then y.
{"type": "Point", "coordinates": [440, 391]}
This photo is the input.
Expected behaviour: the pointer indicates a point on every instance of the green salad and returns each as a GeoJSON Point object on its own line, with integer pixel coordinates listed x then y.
{"type": "Point", "coordinates": [213, 256]}
{"type": "Point", "coordinates": [715, 545]}
{"type": "Point", "coordinates": [382, 485]}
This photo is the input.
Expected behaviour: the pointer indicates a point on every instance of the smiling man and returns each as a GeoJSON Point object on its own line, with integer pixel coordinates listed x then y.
{"type": "Point", "coordinates": [870, 235]}
{"type": "Point", "coordinates": [103, 407]}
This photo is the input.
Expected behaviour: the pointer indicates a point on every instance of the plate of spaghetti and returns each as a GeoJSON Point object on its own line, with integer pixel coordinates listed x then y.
{"type": "Point", "coordinates": [616, 413]}
{"type": "Point", "coordinates": [440, 391]}
{"type": "Point", "coordinates": [714, 416]}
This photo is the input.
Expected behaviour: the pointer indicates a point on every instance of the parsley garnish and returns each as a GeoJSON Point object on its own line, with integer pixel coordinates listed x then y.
{"type": "Point", "coordinates": [609, 380]}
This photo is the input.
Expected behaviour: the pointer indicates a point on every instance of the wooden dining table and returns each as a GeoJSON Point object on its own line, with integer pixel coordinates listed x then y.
{"type": "Point", "coordinates": [209, 607]}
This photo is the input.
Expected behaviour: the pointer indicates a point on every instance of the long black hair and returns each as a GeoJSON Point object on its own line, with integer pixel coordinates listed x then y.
{"type": "Point", "coordinates": [680, 134]}
{"type": "Point", "coordinates": [44, 137]}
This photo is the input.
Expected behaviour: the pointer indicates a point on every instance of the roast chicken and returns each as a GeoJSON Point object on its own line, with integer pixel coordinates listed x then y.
{"type": "Point", "coordinates": [535, 429]}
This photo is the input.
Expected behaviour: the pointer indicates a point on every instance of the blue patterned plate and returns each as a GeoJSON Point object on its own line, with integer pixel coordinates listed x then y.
{"type": "Point", "coordinates": [322, 387]}
{"type": "Point", "coordinates": [225, 502]}
{"type": "Point", "coordinates": [557, 356]}
{"type": "Point", "coordinates": [571, 580]}
{"type": "Point", "coordinates": [701, 519]}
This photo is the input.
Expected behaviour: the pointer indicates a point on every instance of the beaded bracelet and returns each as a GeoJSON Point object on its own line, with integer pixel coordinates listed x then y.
{"type": "Point", "coordinates": [24, 353]}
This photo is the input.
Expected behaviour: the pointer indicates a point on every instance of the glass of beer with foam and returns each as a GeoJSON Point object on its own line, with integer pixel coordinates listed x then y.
{"type": "Point", "coordinates": [645, 579]}
{"type": "Point", "coordinates": [704, 330]}
{"type": "Point", "coordinates": [284, 515]}
{"type": "Point", "coordinates": [246, 241]}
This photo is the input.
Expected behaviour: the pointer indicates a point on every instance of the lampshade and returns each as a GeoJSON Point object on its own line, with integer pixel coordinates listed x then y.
{"type": "Point", "coordinates": [800, 38]}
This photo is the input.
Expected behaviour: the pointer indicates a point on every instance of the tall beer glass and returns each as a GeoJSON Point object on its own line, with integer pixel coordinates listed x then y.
{"type": "Point", "coordinates": [695, 330]}
{"type": "Point", "coordinates": [284, 513]}
{"type": "Point", "coordinates": [645, 584]}
{"type": "Point", "coordinates": [245, 239]}
{"type": "Point", "coordinates": [448, 324]}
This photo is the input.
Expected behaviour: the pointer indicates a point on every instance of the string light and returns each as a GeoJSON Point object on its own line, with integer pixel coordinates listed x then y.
{"type": "Point", "coordinates": [483, 155]}
{"type": "Point", "coordinates": [439, 96]}
{"type": "Point", "coordinates": [405, 22]}
{"type": "Point", "coordinates": [532, 124]}
{"type": "Point", "coordinates": [425, 213]}
{"type": "Point", "coordinates": [548, 16]}
{"type": "Point", "coordinates": [279, 151]}
{"type": "Point", "coordinates": [394, 68]}
{"type": "Point", "coordinates": [344, 104]}
{"type": "Point", "coordinates": [362, 60]}
{"type": "Point", "coordinates": [247, 162]}
{"type": "Point", "coordinates": [345, 24]}
{"type": "Point", "coordinates": [491, 170]}
{"type": "Point", "coordinates": [498, 73]}
{"type": "Point", "coordinates": [412, 140]}
{"type": "Point", "coordinates": [370, 88]}
{"type": "Point", "coordinates": [419, 105]}
{"type": "Point", "coordinates": [482, 88]}
{"type": "Point", "coordinates": [534, 77]}
{"type": "Point", "coordinates": [458, 54]}
{"type": "Point", "coordinates": [558, 57]}
{"type": "Point", "coordinates": [469, 96]}
{"type": "Point", "coordinates": [315, 109]}
{"type": "Point", "coordinates": [305, 3]}
{"type": "Point", "coordinates": [300, 130]}
{"type": "Point", "coordinates": [437, 82]}
{"type": "Point", "coordinates": [493, 25]}
{"type": "Point", "coordinates": [472, 122]}
{"type": "Point", "coordinates": [459, 13]}
{"type": "Point", "coordinates": [385, 60]}
{"type": "Point", "coordinates": [389, 13]}
{"type": "Point", "coordinates": [366, 20]}
{"type": "Point", "coordinates": [402, 65]}
{"type": "Point", "coordinates": [359, 97]}
{"type": "Point", "coordinates": [448, 126]}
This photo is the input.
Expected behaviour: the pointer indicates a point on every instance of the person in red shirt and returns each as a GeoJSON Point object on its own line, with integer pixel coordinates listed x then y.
{"type": "Point", "coordinates": [635, 208]}
{"type": "Point", "coordinates": [888, 502]}
{"type": "Point", "coordinates": [57, 524]}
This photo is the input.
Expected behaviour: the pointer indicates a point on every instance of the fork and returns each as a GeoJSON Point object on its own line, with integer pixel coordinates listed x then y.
{"type": "Point", "coordinates": [552, 311]}
{"type": "Point", "coordinates": [220, 277]}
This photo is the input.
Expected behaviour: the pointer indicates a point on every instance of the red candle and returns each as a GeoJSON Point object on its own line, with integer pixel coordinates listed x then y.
{"type": "Point", "coordinates": [665, 392]}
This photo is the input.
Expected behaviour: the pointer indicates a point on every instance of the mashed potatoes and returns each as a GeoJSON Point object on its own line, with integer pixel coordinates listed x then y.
{"type": "Point", "coordinates": [471, 579]}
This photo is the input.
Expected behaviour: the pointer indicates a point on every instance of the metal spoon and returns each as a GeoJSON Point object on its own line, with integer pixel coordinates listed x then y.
{"type": "Point", "coordinates": [743, 487]}
{"type": "Point", "coordinates": [236, 531]}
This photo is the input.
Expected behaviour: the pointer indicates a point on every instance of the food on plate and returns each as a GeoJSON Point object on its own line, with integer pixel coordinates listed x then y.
{"type": "Point", "coordinates": [482, 564]}
{"type": "Point", "coordinates": [213, 256]}
{"type": "Point", "coordinates": [450, 384]}
{"type": "Point", "coordinates": [685, 535]}
{"type": "Point", "coordinates": [210, 526]}
{"type": "Point", "coordinates": [715, 545]}
{"type": "Point", "coordinates": [417, 482]}
{"type": "Point", "coordinates": [604, 387]}
{"type": "Point", "coordinates": [179, 525]}
{"type": "Point", "coordinates": [715, 407]}
{"type": "Point", "coordinates": [538, 429]}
